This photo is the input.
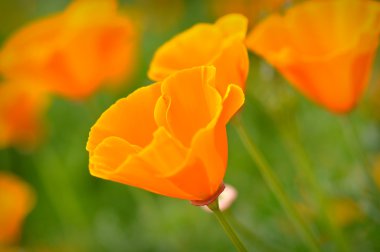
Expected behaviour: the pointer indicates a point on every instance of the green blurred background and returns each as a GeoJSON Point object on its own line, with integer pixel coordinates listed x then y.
{"type": "Point", "coordinates": [77, 212]}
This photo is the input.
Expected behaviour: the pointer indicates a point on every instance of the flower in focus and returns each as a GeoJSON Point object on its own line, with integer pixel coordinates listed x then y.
{"type": "Point", "coordinates": [220, 44]}
{"type": "Point", "coordinates": [169, 137]}
{"type": "Point", "coordinates": [72, 53]}
{"type": "Point", "coordinates": [21, 110]}
{"type": "Point", "coordinates": [16, 201]}
{"type": "Point", "coordinates": [324, 48]}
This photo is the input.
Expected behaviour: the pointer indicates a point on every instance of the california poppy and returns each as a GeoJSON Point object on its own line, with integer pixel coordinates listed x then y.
{"type": "Point", "coordinates": [72, 53]}
{"type": "Point", "coordinates": [169, 137]}
{"type": "Point", "coordinates": [324, 48]}
{"type": "Point", "coordinates": [16, 201]}
{"type": "Point", "coordinates": [21, 111]}
{"type": "Point", "coordinates": [220, 44]}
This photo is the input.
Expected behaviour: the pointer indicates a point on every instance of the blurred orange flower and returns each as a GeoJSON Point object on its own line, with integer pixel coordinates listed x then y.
{"type": "Point", "coordinates": [72, 53]}
{"type": "Point", "coordinates": [168, 138]}
{"type": "Point", "coordinates": [21, 109]}
{"type": "Point", "coordinates": [16, 201]}
{"type": "Point", "coordinates": [324, 48]}
{"type": "Point", "coordinates": [220, 44]}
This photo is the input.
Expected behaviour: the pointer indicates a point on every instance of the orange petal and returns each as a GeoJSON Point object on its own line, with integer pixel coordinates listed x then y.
{"type": "Point", "coordinates": [194, 47]}
{"type": "Point", "coordinates": [21, 114]}
{"type": "Point", "coordinates": [109, 38]}
{"type": "Point", "coordinates": [188, 103]}
{"type": "Point", "coordinates": [234, 25]}
{"type": "Point", "coordinates": [232, 66]}
{"type": "Point", "coordinates": [66, 52]}
{"type": "Point", "coordinates": [206, 161]}
{"type": "Point", "coordinates": [232, 102]}
{"type": "Point", "coordinates": [28, 50]}
{"type": "Point", "coordinates": [220, 44]}
{"type": "Point", "coordinates": [117, 160]}
{"type": "Point", "coordinates": [131, 119]}
{"type": "Point", "coordinates": [110, 154]}
{"type": "Point", "coordinates": [164, 154]}
{"type": "Point", "coordinates": [16, 201]}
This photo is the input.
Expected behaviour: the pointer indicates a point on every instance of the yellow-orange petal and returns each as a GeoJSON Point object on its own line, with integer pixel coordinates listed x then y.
{"type": "Point", "coordinates": [65, 52]}
{"type": "Point", "coordinates": [109, 38]}
{"type": "Point", "coordinates": [131, 119]}
{"type": "Point", "coordinates": [115, 159]}
{"type": "Point", "coordinates": [220, 44]}
{"type": "Point", "coordinates": [16, 201]}
{"type": "Point", "coordinates": [324, 48]}
{"type": "Point", "coordinates": [207, 158]}
{"type": "Point", "coordinates": [194, 47]}
{"type": "Point", "coordinates": [205, 163]}
{"type": "Point", "coordinates": [110, 154]}
{"type": "Point", "coordinates": [232, 66]}
{"type": "Point", "coordinates": [232, 102]}
{"type": "Point", "coordinates": [234, 25]}
{"type": "Point", "coordinates": [209, 147]}
{"type": "Point", "coordinates": [189, 101]}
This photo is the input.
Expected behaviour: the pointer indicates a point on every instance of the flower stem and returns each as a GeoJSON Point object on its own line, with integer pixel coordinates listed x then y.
{"type": "Point", "coordinates": [277, 188]}
{"type": "Point", "coordinates": [214, 207]}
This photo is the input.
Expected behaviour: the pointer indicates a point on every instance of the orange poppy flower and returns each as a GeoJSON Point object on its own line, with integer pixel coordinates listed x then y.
{"type": "Point", "coordinates": [16, 201]}
{"type": "Point", "coordinates": [72, 53]}
{"type": "Point", "coordinates": [220, 44]}
{"type": "Point", "coordinates": [21, 109]}
{"type": "Point", "coordinates": [168, 138]}
{"type": "Point", "coordinates": [324, 48]}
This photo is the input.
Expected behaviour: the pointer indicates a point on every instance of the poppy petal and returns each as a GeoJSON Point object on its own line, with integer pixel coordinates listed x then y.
{"type": "Point", "coordinates": [233, 25]}
{"type": "Point", "coordinates": [202, 40]}
{"type": "Point", "coordinates": [187, 107]}
{"type": "Point", "coordinates": [131, 118]}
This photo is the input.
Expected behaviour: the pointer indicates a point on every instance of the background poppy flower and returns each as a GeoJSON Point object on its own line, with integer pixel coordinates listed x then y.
{"type": "Point", "coordinates": [72, 53]}
{"type": "Point", "coordinates": [324, 48]}
{"type": "Point", "coordinates": [16, 201]}
{"type": "Point", "coordinates": [220, 44]}
{"type": "Point", "coordinates": [21, 110]}
{"type": "Point", "coordinates": [169, 137]}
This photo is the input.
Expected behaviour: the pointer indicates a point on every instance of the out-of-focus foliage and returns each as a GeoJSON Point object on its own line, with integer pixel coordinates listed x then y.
{"type": "Point", "coordinates": [74, 211]}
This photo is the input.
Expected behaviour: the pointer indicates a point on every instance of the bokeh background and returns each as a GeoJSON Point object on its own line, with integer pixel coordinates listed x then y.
{"type": "Point", "coordinates": [74, 211]}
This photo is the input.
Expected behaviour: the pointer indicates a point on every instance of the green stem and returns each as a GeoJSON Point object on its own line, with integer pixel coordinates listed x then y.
{"type": "Point", "coordinates": [214, 207]}
{"type": "Point", "coordinates": [277, 188]}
